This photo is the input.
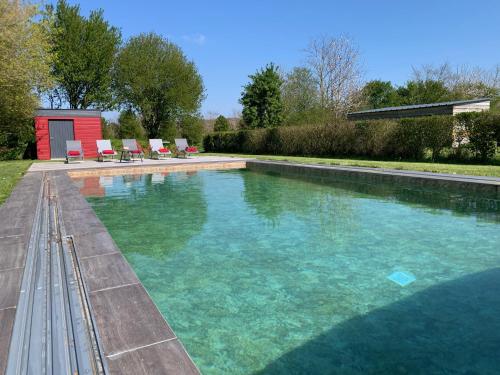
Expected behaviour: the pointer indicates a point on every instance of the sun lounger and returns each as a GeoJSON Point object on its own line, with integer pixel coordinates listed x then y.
{"type": "Point", "coordinates": [104, 149]}
{"type": "Point", "coordinates": [158, 149]}
{"type": "Point", "coordinates": [74, 150]}
{"type": "Point", "coordinates": [131, 146]}
{"type": "Point", "coordinates": [184, 149]}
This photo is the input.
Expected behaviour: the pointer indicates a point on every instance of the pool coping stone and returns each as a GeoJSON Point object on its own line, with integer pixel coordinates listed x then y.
{"type": "Point", "coordinates": [487, 187]}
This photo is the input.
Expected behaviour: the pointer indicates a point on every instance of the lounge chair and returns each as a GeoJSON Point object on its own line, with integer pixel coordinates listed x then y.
{"type": "Point", "coordinates": [104, 149]}
{"type": "Point", "coordinates": [74, 150]}
{"type": "Point", "coordinates": [133, 148]}
{"type": "Point", "coordinates": [184, 149]}
{"type": "Point", "coordinates": [158, 149]}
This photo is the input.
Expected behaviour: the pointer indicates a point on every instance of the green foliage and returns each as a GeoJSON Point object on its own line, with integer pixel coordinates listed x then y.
{"type": "Point", "coordinates": [168, 131]}
{"type": "Point", "coordinates": [24, 70]}
{"type": "Point", "coordinates": [438, 133]}
{"type": "Point", "coordinates": [153, 77]}
{"type": "Point", "coordinates": [84, 50]}
{"type": "Point", "coordinates": [301, 104]}
{"type": "Point", "coordinates": [380, 94]}
{"type": "Point", "coordinates": [495, 105]}
{"type": "Point", "coordinates": [129, 125]}
{"type": "Point", "coordinates": [422, 92]}
{"type": "Point", "coordinates": [482, 131]}
{"type": "Point", "coordinates": [400, 139]}
{"type": "Point", "coordinates": [192, 129]}
{"type": "Point", "coordinates": [221, 124]}
{"type": "Point", "coordinates": [261, 99]}
{"type": "Point", "coordinates": [109, 129]}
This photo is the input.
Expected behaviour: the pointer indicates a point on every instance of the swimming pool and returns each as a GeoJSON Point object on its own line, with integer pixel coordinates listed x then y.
{"type": "Point", "coordinates": [259, 273]}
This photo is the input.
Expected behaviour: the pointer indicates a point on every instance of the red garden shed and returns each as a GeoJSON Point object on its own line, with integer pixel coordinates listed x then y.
{"type": "Point", "coordinates": [53, 127]}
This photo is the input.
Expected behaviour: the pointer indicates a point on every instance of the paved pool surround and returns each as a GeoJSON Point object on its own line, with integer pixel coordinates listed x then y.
{"type": "Point", "coordinates": [135, 338]}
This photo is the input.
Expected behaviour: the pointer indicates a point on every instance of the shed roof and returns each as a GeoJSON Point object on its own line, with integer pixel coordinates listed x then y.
{"type": "Point", "coordinates": [68, 112]}
{"type": "Point", "coordinates": [417, 106]}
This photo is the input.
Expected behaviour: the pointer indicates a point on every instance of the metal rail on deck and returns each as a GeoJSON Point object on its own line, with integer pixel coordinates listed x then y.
{"type": "Point", "coordinates": [53, 330]}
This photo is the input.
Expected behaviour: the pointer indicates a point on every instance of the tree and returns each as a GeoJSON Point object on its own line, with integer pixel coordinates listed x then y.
{"type": "Point", "coordinates": [153, 77]}
{"type": "Point", "coordinates": [192, 129]}
{"type": "Point", "coordinates": [84, 51]}
{"type": "Point", "coordinates": [335, 65]}
{"type": "Point", "coordinates": [261, 99]}
{"type": "Point", "coordinates": [300, 98]}
{"type": "Point", "coordinates": [379, 94]}
{"type": "Point", "coordinates": [423, 92]}
{"type": "Point", "coordinates": [130, 125]}
{"type": "Point", "coordinates": [24, 70]}
{"type": "Point", "coordinates": [109, 129]}
{"type": "Point", "coordinates": [463, 82]}
{"type": "Point", "coordinates": [221, 124]}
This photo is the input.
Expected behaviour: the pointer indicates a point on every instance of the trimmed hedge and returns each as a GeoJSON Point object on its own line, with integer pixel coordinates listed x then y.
{"type": "Point", "coordinates": [407, 138]}
{"type": "Point", "coordinates": [483, 132]}
{"type": "Point", "coordinates": [396, 139]}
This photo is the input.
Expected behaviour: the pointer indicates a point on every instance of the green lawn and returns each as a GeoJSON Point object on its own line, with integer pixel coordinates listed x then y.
{"type": "Point", "coordinates": [468, 169]}
{"type": "Point", "coordinates": [10, 173]}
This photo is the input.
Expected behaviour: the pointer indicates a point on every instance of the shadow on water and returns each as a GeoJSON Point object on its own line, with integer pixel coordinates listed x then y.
{"type": "Point", "coordinates": [451, 328]}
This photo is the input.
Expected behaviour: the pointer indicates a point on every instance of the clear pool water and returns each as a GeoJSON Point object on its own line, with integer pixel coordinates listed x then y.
{"type": "Point", "coordinates": [271, 275]}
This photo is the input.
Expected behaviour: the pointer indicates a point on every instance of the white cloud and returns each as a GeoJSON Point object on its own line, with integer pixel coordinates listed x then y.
{"type": "Point", "coordinates": [199, 39]}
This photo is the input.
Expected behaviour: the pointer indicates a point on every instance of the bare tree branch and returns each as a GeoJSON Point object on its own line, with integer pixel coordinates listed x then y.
{"type": "Point", "coordinates": [335, 65]}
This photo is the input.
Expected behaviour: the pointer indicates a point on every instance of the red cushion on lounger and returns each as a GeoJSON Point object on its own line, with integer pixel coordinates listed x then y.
{"type": "Point", "coordinates": [136, 151]}
{"type": "Point", "coordinates": [163, 149]}
{"type": "Point", "coordinates": [108, 152]}
{"type": "Point", "coordinates": [191, 149]}
{"type": "Point", "coordinates": [73, 153]}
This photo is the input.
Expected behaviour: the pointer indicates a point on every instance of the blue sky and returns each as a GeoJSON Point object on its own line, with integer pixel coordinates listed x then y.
{"type": "Point", "coordinates": [228, 40]}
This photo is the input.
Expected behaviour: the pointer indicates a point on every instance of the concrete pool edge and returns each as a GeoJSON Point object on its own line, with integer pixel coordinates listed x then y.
{"type": "Point", "coordinates": [135, 337]}
{"type": "Point", "coordinates": [487, 187]}
{"type": "Point", "coordinates": [18, 216]}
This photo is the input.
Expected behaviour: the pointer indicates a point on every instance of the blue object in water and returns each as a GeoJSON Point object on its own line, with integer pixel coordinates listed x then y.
{"type": "Point", "coordinates": [401, 278]}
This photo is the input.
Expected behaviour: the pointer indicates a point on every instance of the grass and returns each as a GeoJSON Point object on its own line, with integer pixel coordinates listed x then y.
{"type": "Point", "coordinates": [466, 169]}
{"type": "Point", "coordinates": [10, 173]}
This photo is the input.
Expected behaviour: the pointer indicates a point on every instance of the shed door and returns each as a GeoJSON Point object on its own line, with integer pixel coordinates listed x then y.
{"type": "Point", "coordinates": [60, 131]}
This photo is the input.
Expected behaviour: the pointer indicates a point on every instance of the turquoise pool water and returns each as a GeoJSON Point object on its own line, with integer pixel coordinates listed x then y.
{"type": "Point", "coordinates": [264, 274]}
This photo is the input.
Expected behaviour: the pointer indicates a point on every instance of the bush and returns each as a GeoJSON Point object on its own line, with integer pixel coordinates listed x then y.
{"type": "Point", "coordinates": [482, 131]}
{"type": "Point", "coordinates": [438, 133]}
{"type": "Point", "coordinates": [407, 138]}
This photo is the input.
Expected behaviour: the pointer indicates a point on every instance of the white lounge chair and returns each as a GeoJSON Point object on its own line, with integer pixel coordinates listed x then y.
{"type": "Point", "coordinates": [74, 150]}
{"type": "Point", "coordinates": [104, 149]}
{"type": "Point", "coordinates": [158, 149]}
{"type": "Point", "coordinates": [184, 149]}
{"type": "Point", "coordinates": [132, 147]}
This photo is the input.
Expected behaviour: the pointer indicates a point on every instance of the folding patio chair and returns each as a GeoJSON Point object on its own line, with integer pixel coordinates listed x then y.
{"type": "Point", "coordinates": [184, 149]}
{"type": "Point", "coordinates": [104, 149]}
{"type": "Point", "coordinates": [158, 149]}
{"type": "Point", "coordinates": [132, 147]}
{"type": "Point", "coordinates": [74, 150]}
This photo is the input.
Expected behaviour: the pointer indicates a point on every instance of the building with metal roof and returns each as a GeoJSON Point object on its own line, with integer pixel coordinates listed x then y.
{"type": "Point", "coordinates": [444, 108]}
